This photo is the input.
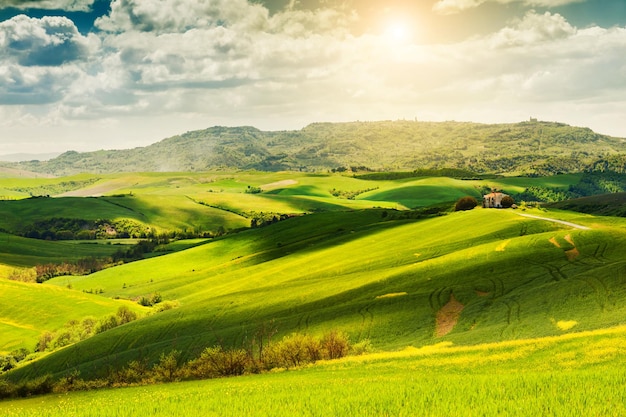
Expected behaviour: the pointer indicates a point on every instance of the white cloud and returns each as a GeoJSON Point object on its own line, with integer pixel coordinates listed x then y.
{"type": "Point", "coordinates": [68, 5]}
{"type": "Point", "coordinates": [532, 29]}
{"type": "Point", "coordinates": [50, 41]}
{"type": "Point", "coordinates": [40, 59]}
{"type": "Point", "coordinates": [171, 16]}
{"type": "Point", "coordinates": [456, 6]}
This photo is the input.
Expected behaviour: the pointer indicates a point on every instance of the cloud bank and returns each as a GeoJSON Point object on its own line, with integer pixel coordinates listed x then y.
{"type": "Point", "coordinates": [69, 5]}
{"type": "Point", "coordinates": [457, 6]}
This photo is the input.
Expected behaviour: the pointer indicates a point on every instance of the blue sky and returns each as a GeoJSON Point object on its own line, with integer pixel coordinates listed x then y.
{"type": "Point", "coordinates": [94, 74]}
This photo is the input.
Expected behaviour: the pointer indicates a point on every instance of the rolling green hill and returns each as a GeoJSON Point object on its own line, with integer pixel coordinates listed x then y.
{"type": "Point", "coordinates": [466, 278]}
{"type": "Point", "coordinates": [605, 205]}
{"type": "Point", "coordinates": [528, 147]}
{"type": "Point", "coordinates": [29, 310]}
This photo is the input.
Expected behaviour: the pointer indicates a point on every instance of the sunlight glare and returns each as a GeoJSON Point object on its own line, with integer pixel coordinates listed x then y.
{"type": "Point", "coordinates": [398, 32]}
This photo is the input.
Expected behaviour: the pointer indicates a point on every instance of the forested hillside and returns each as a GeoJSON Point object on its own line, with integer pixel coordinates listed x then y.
{"type": "Point", "coordinates": [527, 148]}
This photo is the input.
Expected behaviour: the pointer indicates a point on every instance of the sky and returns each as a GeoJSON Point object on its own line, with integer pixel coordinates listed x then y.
{"type": "Point", "coordinates": [99, 74]}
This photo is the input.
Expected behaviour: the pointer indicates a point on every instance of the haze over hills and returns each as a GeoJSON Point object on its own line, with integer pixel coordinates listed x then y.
{"type": "Point", "coordinates": [19, 157]}
{"type": "Point", "coordinates": [520, 148]}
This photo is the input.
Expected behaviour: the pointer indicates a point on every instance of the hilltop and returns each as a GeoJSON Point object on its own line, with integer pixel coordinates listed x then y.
{"type": "Point", "coordinates": [541, 148]}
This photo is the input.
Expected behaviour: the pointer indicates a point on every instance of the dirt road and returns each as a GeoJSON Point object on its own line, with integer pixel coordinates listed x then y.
{"type": "Point", "coordinates": [570, 224]}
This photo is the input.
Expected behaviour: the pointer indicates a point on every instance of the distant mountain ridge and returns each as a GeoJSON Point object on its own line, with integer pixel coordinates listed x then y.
{"type": "Point", "coordinates": [532, 148]}
{"type": "Point", "coordinates": [19, 157]}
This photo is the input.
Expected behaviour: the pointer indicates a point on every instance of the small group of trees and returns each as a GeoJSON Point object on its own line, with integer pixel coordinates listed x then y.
{"type": "Point", "coordinates": [261, 219]}
{"type": "Point", "coordinates": [85, 266]}
{"type": "Point", "coordinates": [10, 361]}
{"type": "Point", "coordinates": [61, 228]}
{"type": "Point", "coordinates": [74, 331]}
{"type": "Point", "coordinates": [349, 195]}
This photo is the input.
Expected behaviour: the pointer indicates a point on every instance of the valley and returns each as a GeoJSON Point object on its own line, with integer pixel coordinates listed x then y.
{"type": "Point", "coordinates": [182, 262]}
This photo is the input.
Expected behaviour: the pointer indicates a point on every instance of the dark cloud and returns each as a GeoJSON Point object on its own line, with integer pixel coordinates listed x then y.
{"type": "Point", "coordinates": [69, 5]}
{"type": "Point", "coordinates": [17, 88]}
{"type": "Point", "coordinates": [50, 41]}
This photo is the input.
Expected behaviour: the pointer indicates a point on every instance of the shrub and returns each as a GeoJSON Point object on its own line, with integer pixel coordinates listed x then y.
{"type": "Point", "coordinates": [107, 324]}
{"type": "Point", "coordinates": [361, 348]}
{"type": "Point", "coordinates": [167, 369]}
{"type": "Point", "coordinates": [125, 315]}
{"type": "Point", "coordinates": [507, 201]}
{"type": "Point", "coordinates": [465, 203]}
{"type": "Point", "coordinates": [295, 350]}
{"type": "Point", "coordinates": [335, 345]}
{"type": "Point", "coordinates": [7, 389]}
{"type": "Point", "coordinates": [216, 361]}
{"type": "Point", "coordinates": [44, 341]}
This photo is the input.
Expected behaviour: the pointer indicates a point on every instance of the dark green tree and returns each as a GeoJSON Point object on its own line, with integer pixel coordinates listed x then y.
{"type": "Point", "coordinates": [465, 203]}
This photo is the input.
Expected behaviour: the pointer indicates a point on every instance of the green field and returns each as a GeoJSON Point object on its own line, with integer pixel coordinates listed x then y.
{"type": "Point", "coordinates": [572, 375]}
{"type": "Point", "coordinates": [352, 257]}
{"type": "Point", "coordinates": [28, 310]}
{"type": "Point", "coordinates": [384, 281]}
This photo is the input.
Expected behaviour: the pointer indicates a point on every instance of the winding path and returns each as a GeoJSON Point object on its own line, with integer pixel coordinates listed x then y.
{"type": "Point", "coordinates": [570, 224]}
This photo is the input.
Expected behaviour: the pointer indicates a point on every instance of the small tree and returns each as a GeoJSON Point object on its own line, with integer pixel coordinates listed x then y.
{"type": "Point", "coordinates": [167, 369]}
{"type": "Point", "coordinates": [125, 315]}
{"type": "Point", "coordinates": [507, 201]}
{"type": "Point", "coordinates": [465, 203]}
{"type": "Point", "coordinates": [335, 345]}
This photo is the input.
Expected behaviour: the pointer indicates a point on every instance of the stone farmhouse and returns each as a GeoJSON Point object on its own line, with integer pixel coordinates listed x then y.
{"type": "Point", "coordinates": [493, 199]}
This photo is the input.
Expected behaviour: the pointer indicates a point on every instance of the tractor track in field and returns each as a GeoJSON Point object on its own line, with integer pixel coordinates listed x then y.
{"type": "Point", "coordinates": [367, 320]}
{"type": "Point", "coordinates": [513, 317]}
{"type": "Point", "coordinates": [600, 289]}
{"type": "Point", "coordinates": [554, 271]}
{"type": "Point", "coordinates": [600, 251]}
{"type": "Point", "coordinates": [523, 229]}
{"type": "Point", "coordinates": [434, 299]}
{"type": "Point", "coordinates": [307, 319]}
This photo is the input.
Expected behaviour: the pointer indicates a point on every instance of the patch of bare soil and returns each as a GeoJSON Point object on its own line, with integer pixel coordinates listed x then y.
{"type": "Point", "coordinates": [554, 242]}
{"type": "Point", "coordinates": [568, 239]}
{"type": "Point", "coordinates": [448, 316]}
{"type": "Point", "coordinates": [278, 184]}
{"type": "Point", "coordinates": [97, 191]}
{"type": "Point", "coordinates": [572, 254]}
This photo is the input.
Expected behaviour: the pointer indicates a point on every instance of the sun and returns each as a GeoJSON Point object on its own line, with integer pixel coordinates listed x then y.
{"type": "Point", "coordinates": [398, 31]}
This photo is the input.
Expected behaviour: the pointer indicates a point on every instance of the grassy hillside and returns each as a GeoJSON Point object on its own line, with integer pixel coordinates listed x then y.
{"type": "Point", "coordinates": [28, 310]}
{"type": "Point", "coordinates": [566, 375]}
{"type": "Point", "coordinates": [530, 147]}
{"type": "Point", "coordinates": [393, 282]}
{"type": "Point", "coordinates": [603, 205]}
{"type": "Point", "coordinates": [21, 252]}
{"type": "Point", "coordinates": [227, 200]}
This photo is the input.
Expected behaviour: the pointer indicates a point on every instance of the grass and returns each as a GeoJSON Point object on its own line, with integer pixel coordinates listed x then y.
{"type": "Point", "coordinates": [165, 201]}
{"type": "Point", "coordinates": [338, 268]}
{"type": "Point", "coordinates": [571, 375]}
{"type": "Point", "coordinates": [19, 252]}
{"type": "Point", "coordinates": [28, 310]}
{"type": "Point", "coordinates": [309, 274]}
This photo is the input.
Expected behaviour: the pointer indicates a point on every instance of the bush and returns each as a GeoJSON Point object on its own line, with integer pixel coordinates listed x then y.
{"type": "Point", "coordinates": [215, 361]}
{"type": "Point", "coordinates": [335, 345]}
{"type": "Point", "coordinates": [465, 203]}
{"type": "Point", "coordinates": [167, 369]}
{"type": "Point", "coordinates": [507, 201]}
{"type": "Point", "coordinates": [361, 348]}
